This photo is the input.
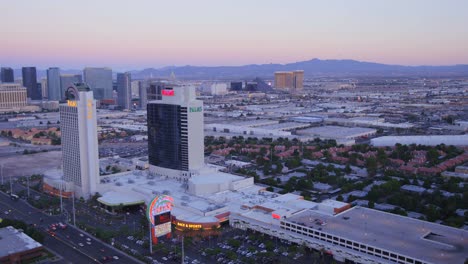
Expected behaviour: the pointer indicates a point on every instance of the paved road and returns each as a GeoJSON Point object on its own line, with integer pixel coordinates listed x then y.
{"type": "Point", "coordinates": [65, 242]}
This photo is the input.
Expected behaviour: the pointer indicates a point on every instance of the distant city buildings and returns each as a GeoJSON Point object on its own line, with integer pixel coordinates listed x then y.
{"type": "Point", "coordinates": [44, 92]}
{"type": "Point", "coordinates": [236, 86]}
{"type": "Point", "coordinates": [293, 79]}
{"type": "Point", "coordinates": [100, 81]}
{"type": "Point", "coordinates": [79, 140]}
{"type": "Point", "coordinates": [30, 82]}
{"type": "Point", "coordinates": [154, 89]}
{"type": "Point", "coordinates": [216, 88]}
{"type": "Point", "coordinates": [175, 133]}
{"type": "Point", "coordinates": [7, 75]}
{"type": "Point", "coordinates": [124, 91]}
{"type": "Point", "coordinates": [143, 95]}
{"type": "Point", "coordinates": [67, 80]}
{"type": "Point", "coordinates": [12, 96]}
{"type": "Point", "coordinates": [53, 84]}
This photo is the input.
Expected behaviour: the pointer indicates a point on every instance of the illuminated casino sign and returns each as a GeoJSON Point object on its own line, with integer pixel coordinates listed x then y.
{"type": "Point", "coordinates": [162, 229]}
{"type": "Point", "coordinates": [159, 215]}
{"type": "Point", "coordinates": [167, 92]}
{"type": "Point", "coordinates": [159, 209]}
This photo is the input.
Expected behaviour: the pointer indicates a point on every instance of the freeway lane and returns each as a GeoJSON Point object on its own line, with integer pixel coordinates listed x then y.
{"type": "Point", "coordinates": [66, 242]}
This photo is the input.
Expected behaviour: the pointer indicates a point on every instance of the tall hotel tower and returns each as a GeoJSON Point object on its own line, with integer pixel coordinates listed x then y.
{"type": "Point", "coordinates": [79, 140]}
{"type": "Point", "coordinates": [175, 133]}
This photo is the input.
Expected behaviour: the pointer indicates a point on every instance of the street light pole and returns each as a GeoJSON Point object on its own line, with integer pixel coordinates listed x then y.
{"type": "Point", "coordinates": [1, 171]}
{"type": "Point", "coordinates": [11, 186]}
{"type": "Point", "coordinates": [183, 261]}
{"type": "Point", "coordinates": [150, 238]}
{"type": "Point", "coordinates": [73, 208]}
{"type": "Point", "coordinates": [27, 181]}
{"type": "Point", "coordinates": [61, 199]}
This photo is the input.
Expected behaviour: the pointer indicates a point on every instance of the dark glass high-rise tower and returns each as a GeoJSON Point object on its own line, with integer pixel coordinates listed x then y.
{"type": "Point", "coordinates": [30, 82]}
{"type": "Point", "coordinates": [175, 133]}
{"type": "Point", "coordinates": [7, 75]}
{"type": "Point", "coordinates": [165, 141]}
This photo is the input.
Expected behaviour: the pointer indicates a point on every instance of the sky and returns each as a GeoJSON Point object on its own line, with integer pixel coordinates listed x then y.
{"type": "Point", "coordinates": [150, 33]}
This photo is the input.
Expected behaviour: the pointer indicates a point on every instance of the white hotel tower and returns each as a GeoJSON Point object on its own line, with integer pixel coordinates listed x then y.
{"type": "Point", "coordinates": [175, 133]}
{"type": "Point", "coordinates": [79, 140]}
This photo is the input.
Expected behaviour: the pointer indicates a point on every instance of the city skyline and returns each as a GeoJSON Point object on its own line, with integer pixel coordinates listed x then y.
{"type": "Point", "coordinates": [211, 33]}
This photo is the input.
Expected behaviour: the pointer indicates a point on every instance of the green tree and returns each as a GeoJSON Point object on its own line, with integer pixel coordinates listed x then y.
{"type": "Point", "coordinates": [340, 198]}
{"type": "Point", "coordinates": [347, 169]}
{"type": "Point", "coordinates": [371, 165]}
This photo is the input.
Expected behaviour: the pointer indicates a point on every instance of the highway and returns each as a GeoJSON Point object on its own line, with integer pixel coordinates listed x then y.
{"type": "Point", "coordinates": [71, 244]}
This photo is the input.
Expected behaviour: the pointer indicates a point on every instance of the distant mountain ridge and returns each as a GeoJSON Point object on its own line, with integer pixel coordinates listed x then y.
{"type": "Point", "coordinates": [312, 68]}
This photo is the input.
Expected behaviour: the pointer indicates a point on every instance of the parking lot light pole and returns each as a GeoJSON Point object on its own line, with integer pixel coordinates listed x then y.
{"type": "Point", "coordinates": [11, 186]}
{"type": "Point", "coordinates": [183, 261]}
{"type": "Point", "coordinates": [27, 181]}
{"type": "Point", "coordinates": [61, 199]}
{"type": "Point", "coordinates": [150, 239]}
{"type": "Point", "coordinates": [1, 171]}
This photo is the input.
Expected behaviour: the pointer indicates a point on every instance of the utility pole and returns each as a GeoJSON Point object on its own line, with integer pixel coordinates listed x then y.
{"type": "Point", "coordinates": [1, 171]}
{"type": "Point", "coordinates": [73, 208]}
{"type": "Point", "coordinates": [150, 238]}
{"type": "Point", "coordinates": [27, 181]}
{"type": "Point", "coordinates": [183, 261]}
{"type": "Point", "coordinates": [11, 186]}
{"type": "Point", "coordinates": [61, 199]}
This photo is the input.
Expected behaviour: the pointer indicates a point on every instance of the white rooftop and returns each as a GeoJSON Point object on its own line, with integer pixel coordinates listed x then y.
{"type": "Point", "coordinates": [13, 241]}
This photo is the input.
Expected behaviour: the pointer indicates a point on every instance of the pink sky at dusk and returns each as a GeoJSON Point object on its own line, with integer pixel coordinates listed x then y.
{"type": "Point", "coordinates": [139, 34]}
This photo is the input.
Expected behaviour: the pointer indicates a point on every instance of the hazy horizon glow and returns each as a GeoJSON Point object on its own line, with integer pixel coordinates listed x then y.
{"type": "Point", "coordinates": [141, 34]}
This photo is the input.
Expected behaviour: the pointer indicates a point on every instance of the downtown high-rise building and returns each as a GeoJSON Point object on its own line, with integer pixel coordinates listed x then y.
{"type": "Point", "coordinates": [67, 80]}
{"type": "Point", "coordinates": [100, 81]}
{"type": "Point", "coordinates": [79, 140]}
{"type": "Point", "coordinates": [124, 90]}
{"type": "Point", "coordinates": [143, 95]}
{"type": "Point", "coordinates": [53, 84]}
{"type": "Point", "coordinates": [154, 88]}
{"type": "Point", "coordinates": [30, 82]}
{"type": "Point", "coordinates": [292, 80]}
{"type": "Point", "coordinates": [7, 75]}
{"type": "Point", "coordinates": [175, 133]}
{"type": "Point", "coordinates": [44, 92]}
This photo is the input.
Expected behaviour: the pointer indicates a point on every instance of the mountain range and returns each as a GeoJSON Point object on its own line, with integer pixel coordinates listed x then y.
{"type": "Point", "coordinates": [312, 68]}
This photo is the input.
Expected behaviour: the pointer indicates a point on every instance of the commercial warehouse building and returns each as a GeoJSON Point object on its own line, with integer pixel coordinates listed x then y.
{"type": "Point", "coordinates": [17, 247]}
{"type": "Point", "coordinates": [337, 132]}
{"type": "Point", "coordinates": [456, 140]}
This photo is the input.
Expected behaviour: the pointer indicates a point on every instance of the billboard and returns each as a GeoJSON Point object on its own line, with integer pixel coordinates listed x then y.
{"type": "Point", "coordinates": [159, 215]}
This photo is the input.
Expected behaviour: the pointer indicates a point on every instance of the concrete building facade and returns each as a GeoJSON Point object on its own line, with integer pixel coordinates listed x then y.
{"type": "Point", "coordinates": [12, 95]}
{"type": "Point", "coordinates": [53, 84]}
{"type": "Point", "coordinates": [100, 81]}
{"type": "Point", "coordinates": [79, 140]}
{"type": "Point", "coordinates": [124, 90]}
{"type": "Point", "coordinates": [143, 96]}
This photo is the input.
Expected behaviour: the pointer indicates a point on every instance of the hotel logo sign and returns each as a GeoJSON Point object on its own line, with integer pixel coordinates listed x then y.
{"type": "Point", "coordinates": [71, 103]}
{"type": "Point", "coordinates": [196, 109]}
